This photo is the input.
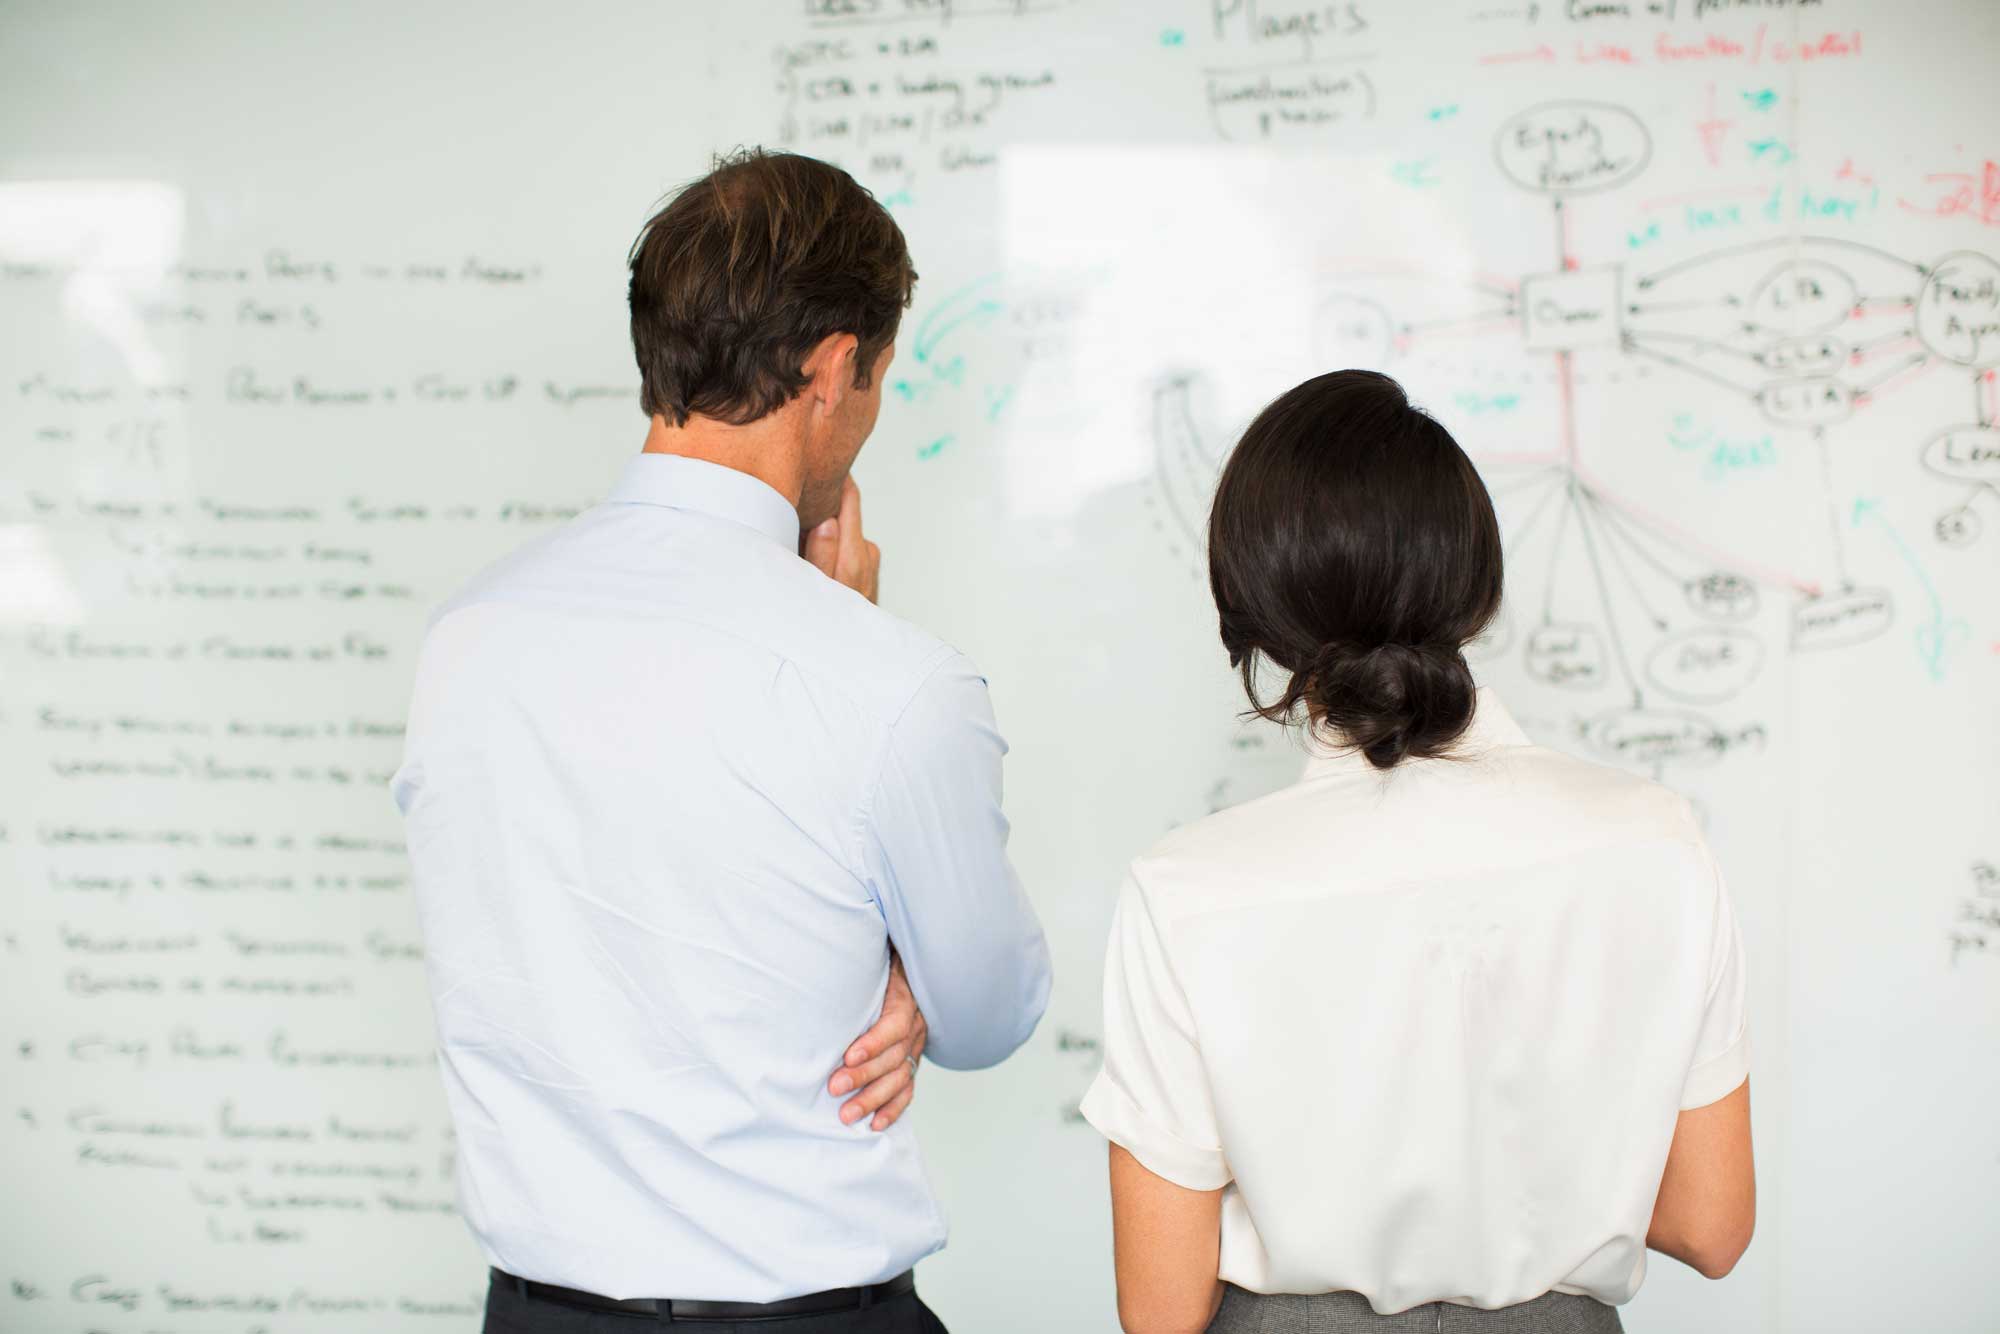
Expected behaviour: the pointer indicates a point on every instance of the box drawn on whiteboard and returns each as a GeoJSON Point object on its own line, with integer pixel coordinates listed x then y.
{"type": "Point", "coordinates": [1562, 311]}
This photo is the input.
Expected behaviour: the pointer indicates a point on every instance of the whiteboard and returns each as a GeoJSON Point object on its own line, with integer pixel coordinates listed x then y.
{"type": "Point", "coordinates": [307, 312]}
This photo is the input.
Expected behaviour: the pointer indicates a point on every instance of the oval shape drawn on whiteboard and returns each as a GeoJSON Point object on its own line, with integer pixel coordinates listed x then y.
{"type": "Point", "coordinates": [1966, 454]}
{"type": "Point", "coordinates": [1572, 148]}
{"type": "Point", "coordinates": [1816, 401]}
{"type": "Point", "coordinates": [1815, 355]}
{"type": "Point", "coordinates": [1958, 310]}
{"type": "Point", "coordinates": [1705, 666]}
{"type": "Point", "coordinates": [1805, 295]}
{"type": "Point", "coordinates": [1566, 655]}
{"type": "Point", "coordinates": [1845, 618]}
{"type": "Point", "coordinates": [1959, 527]}
{"type": "Point", "coordinates": [1722, 596]}
{"type": "Point", "coordinates": [1352, 331]}
{"type": "Point", "coordinates": [1651, 737]}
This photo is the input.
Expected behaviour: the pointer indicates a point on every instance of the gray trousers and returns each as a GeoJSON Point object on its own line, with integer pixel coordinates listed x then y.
{"type": "Point", "coordinates": [1349, 1313]}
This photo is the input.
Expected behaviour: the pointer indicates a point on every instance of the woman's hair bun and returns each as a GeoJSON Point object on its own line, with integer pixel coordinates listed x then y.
{"type": "Point", "coordinates": [1353, 545]}
{"type": "Point", "coordinates": [1392, 700]}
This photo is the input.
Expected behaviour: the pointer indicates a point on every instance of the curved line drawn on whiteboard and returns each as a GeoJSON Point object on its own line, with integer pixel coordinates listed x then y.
{"type": "Point", "coordinates": [1958, 310]}
{"type": "Point", "coordinates": [1966, 454]}
{"type": "Point", "coordinates": [1566, 654]}
{"type": "Point", "coordinates": [1959, 527]}
{"type": "Point", "coordinates": [1938, 633]}
{"type": "Point", "coordinates": [1809, 295]}
{"type": "Point", "coordinates": [1572, 147]}
{"type": "Point", "coordinates": [1353, 331]}
{"type": "Point", "coordinates": [1287, 102]}
{"type": "Point", "coordinates": [1634, 559]}
{"type": "Point", "coordinates": [1853, 616]}
{"type": "Point", "coordinates": [1810, 332]}
{"type": "Point", "coordinates": [1653, 738]}
{"type": "Point", "coordinates": [1805, 356]}
{"type": "Point", "coordinates": [1946, 314]}
{"type": "Point", "coordinates": [1970, 456]}
{"type": "Point", "coordinates": [1183, 465]}
{"type": "Point", "coordinates": [1788, 314]}
{"type": "Point", "coordinates": [1722, 597]}
{"type": "Point", "coordinates": [1644, 575]}
{"type": "Point", "coordinates": [1706, 665]}
{"type": "Point", "coordinates": [1354, 326]}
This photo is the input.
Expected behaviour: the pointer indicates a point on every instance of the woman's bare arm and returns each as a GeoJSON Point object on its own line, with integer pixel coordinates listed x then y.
{"type": "Point", "coordinates": [1707, 1206]}
{"type": "Point", "coordinates": [1168, 1245]}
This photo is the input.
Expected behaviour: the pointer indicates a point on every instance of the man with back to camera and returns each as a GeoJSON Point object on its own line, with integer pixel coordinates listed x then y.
{"type": "Point", "coordinates": [684, 809]}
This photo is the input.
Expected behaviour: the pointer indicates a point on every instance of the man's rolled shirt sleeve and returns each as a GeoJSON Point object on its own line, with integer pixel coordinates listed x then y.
{"type": "Point", "coordinates": [934, 853]}
{"type": "Point", "coordinates": [1151, 1098]}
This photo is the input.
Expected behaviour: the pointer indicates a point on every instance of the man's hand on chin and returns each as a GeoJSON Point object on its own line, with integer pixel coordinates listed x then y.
{"type": "Point", "coordinates": [882, 1063]}
{"type": "Point", "coordinates": [841, 550]}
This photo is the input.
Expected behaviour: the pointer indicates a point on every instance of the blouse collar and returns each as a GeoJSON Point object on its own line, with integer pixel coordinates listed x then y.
{"type": "Point", "coordinates": [1491, 727]}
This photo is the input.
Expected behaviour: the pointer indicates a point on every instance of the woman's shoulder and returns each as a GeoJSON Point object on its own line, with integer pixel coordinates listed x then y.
{"type": "Point", "coordinates": [1226, 832]}
{"type": "Point", "coordinates": [1603, 796]}
{"type": "Point", "coordinates": [1516, 806]}
{"type": "Point", "coordinates": [1224, 857]}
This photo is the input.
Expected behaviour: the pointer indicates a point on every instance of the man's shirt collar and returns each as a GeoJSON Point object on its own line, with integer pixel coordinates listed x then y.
{"type": "Point", "coordinates": [708, 488]}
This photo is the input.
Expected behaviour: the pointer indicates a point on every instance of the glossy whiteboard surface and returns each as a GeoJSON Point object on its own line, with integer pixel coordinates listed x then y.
{"type": "Point", "coordinates": [307, 312]}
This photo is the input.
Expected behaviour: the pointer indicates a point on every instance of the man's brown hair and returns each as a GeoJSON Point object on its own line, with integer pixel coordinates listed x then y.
{"type": "Point", "coordinates": [742, 274]}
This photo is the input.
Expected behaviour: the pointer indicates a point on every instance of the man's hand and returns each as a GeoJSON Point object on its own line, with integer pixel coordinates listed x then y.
{"type": "Point", "coordinates": [840, 550]}
{"type": "Point", "coordinates": [882, 1063]}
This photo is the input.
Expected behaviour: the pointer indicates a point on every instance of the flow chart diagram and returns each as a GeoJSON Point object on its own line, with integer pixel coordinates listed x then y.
{"type": "Point", "coordinates": [1811, 331]}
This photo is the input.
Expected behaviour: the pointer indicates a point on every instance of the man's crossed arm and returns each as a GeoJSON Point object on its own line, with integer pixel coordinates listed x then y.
{"type": "Point", "coordinates": [981, 961]}
{"type": "Point", "coordinates": [882, 1063]}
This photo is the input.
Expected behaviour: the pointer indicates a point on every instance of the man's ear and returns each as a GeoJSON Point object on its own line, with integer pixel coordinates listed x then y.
{"type": "Point", "coordinates": [830, 367]}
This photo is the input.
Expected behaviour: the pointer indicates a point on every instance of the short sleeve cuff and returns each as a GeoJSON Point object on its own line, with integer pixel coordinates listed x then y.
{"type": "Point", "coordinates": [1119, 1119]}
{"type": "Point", "coordinates": [1719, 1076]}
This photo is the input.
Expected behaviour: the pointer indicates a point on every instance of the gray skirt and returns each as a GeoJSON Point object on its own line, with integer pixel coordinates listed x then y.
{"type": "Point", "coordinates": [1344, 1312]}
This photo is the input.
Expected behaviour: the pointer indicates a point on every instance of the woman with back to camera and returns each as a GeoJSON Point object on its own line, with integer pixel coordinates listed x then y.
{"type": "Point", "coordinates": [1447, 1034]}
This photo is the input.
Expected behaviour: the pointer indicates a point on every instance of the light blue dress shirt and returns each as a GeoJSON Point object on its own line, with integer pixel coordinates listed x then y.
{"type": "Point", "coordinates": [671, 793]}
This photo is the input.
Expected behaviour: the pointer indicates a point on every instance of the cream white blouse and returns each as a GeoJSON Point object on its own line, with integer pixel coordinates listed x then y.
{"type": "Point", "coordinates": [1430, 1029]}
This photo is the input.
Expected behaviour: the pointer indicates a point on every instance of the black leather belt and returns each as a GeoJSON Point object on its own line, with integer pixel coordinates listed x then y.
{"type": "Point", "coordinates": [670, 1309]}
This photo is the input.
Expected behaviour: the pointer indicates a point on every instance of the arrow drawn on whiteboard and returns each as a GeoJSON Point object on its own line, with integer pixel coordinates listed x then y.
{"type": "Point", "coordinates": [962, 307]}
{"type": "Point", "coordinates": [1633, 346]}
{"type": "Point", "coordinates": [1731, 252]}
{"type": "Point", "coordinates": [1937, 635]}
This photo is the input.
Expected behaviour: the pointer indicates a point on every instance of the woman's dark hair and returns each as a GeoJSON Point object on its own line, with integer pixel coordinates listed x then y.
{"type": "Point", "coordinates": [742, 274]}
{"type": "Point", "coordinates": [1353, 545]}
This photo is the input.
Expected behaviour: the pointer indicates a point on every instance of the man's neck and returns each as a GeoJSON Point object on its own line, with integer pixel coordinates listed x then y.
{"type": "Point", "coordinates": [768, 449]}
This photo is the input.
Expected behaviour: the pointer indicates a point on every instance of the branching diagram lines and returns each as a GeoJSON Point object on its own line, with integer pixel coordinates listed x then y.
{"type": "Point", "coordinates": [1606, 595]}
